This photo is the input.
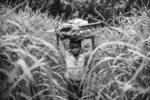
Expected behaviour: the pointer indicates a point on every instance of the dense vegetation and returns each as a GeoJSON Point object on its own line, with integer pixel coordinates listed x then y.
{"type": "Point", "coordinates": [87, 9]}
{"type": "Point", "coordinates": [32, 67]}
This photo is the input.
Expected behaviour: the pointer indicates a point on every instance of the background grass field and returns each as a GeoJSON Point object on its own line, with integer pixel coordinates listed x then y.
{"type": "Point", "coordinates": [32, 67]}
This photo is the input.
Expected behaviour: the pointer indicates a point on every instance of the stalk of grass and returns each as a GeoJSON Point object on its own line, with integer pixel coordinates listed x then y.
{"type": "Point", "coordinates": [4, 15]}
{"type": "Point", "coordinates": [37, 62]}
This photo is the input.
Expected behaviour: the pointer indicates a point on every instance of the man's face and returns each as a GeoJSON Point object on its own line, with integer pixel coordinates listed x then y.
{"type": "Point", "coordinates": [75, 48]}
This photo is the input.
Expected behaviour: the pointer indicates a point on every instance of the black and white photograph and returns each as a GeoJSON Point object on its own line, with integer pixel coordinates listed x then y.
{"type": "Point", "coordinates": [74, 49]}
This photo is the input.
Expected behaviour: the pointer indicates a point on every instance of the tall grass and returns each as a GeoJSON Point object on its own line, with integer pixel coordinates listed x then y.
{"type": "Point", "coordinates": [32, 67]}
{"type": "Point", "coordinates": [118, 68]}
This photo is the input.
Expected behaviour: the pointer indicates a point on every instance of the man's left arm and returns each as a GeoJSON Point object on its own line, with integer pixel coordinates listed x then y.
{"type": "Point", "coordinates": [86, 57]}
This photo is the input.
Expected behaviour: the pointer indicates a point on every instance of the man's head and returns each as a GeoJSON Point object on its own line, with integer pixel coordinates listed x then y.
{"type": "Point", "coordinates": [75, 47]}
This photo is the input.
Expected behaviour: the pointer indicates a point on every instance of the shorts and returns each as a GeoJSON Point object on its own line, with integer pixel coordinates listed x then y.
{"type": "Point", "coordinates": [75, 89]}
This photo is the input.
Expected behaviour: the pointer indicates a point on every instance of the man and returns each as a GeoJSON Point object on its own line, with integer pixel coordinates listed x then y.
{"type": "Point", "coordinates": [74, 57]}
{"type": "Point", "coordinates": [75, 64]}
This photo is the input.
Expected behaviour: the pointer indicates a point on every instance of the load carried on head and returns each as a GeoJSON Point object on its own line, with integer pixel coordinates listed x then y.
{"type": "Point", "coordinates": [75, 30]}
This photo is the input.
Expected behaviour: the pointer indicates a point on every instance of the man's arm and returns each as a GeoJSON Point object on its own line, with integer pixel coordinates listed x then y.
{"type": "Point", "coordinates": [86, 57]}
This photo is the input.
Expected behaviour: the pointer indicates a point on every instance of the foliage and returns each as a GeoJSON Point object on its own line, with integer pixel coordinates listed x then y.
{"type": "Point", "coordinates": [92, 10]}
{"type": "Point", "coordinates": [32, 66]}
{"type": "Point", "coordinates": [118, 67]}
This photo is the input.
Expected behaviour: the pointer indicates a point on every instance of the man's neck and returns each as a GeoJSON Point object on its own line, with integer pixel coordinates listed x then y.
{"type": "Point", "coordinates": [76, 56]}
